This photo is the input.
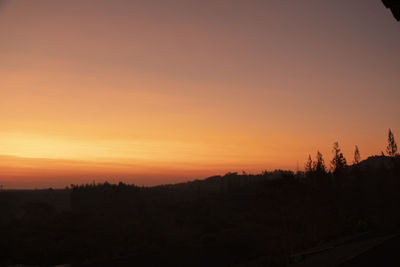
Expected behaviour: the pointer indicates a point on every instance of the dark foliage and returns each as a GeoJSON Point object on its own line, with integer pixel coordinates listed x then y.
{"type": "Point", "coordinates": [357, 156]}
{"type": "Point", "coordinates": [391, 148]}
{"type": "Point", "coordinates": [220, 221]}
{"type": "Point", "coordinates": [338, 162]}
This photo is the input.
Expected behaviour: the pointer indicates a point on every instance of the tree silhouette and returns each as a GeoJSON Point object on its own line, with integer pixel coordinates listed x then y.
{"type": "Point", "coordinates": [338, 162]}
{"type": "Point", "coordinates": [308, 168]}
{"type": "Point", "coordinates": [391, 148]}
{"type": "Point", "coordinates": [357, 156]}
{"type": "Point", "coordinates": [319, 165]}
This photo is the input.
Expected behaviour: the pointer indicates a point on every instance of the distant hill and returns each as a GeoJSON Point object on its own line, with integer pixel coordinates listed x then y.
{"type": "Point", "coordinates": [230, 220]}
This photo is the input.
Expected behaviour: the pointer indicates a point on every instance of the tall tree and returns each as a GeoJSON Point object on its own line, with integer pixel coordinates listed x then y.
{"type": "Point", "coordinates": [308, 168]}
{"type": "Point", "coordinates": [338, 162]}
{"type": "Point", "coordinates": [357, 156]}
{"type": "Point", "coordinates": [319, 165]}
{"type": "Point", "coordinates": [391, 148]}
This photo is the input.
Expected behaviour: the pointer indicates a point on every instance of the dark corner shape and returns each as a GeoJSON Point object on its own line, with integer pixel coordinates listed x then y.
{"type": "Point", "coordinates": [394, 6]}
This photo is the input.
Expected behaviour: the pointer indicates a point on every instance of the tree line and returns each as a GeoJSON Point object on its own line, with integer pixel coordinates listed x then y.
{"type": "Point", "coordinates": [230, 220]}
{"type": "Point", "coordinates": [339, 162]}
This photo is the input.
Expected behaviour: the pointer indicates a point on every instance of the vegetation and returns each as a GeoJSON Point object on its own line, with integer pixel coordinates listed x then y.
{"type": "Point", "coordinates": [319, 165]}
{"type": "Point", "coordinates": [392, 146]}
{"type": "Point", "coordinates": [357, 156]}
{"type": "Point", "coordinates": [220, 221]}
{"type": "Point", "coordinates": [338, 162]}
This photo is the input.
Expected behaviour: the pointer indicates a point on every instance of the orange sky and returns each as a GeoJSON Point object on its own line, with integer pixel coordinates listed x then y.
{"type": "Point", "coordinates": [153, 92]}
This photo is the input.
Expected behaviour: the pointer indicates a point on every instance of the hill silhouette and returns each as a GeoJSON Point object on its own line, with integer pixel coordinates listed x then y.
{"type": "Point", "coordinates": [229, 220]}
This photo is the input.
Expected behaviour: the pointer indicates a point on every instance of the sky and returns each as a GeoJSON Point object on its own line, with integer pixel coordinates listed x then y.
{"type": "Point", "coordinates": [154, 92]}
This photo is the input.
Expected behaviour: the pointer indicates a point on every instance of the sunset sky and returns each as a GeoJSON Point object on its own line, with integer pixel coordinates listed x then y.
{"type": "Point", "coordinates": [152, 92]}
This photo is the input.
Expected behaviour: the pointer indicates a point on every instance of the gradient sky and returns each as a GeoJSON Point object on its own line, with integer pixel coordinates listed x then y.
{"type": "Point", "coordinates": [152, 92]}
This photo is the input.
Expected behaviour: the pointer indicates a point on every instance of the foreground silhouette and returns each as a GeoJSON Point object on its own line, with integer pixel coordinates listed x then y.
{"type": "Point", "coordinates": [394, 6]}
{"type": "Point", "coordinates": [230, 220]}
